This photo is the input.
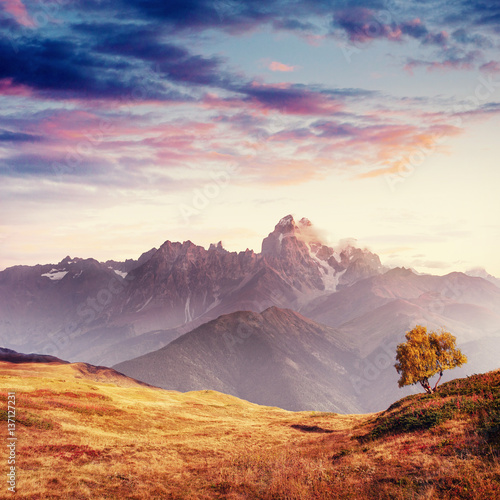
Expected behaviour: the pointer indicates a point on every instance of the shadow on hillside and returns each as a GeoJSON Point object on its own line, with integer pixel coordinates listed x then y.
{"type": "Point", "coordinates": [310, 428]}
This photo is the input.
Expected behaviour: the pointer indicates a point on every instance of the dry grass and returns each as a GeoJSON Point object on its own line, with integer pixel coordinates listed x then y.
{"type": "Point", "coordinates": [86, 439]}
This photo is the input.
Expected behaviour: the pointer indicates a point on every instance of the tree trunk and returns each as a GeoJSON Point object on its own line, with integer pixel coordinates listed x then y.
{"type": "Point", "coordinates": [425, 384]}
{"type": "Point", "coordinates": [435, 387]}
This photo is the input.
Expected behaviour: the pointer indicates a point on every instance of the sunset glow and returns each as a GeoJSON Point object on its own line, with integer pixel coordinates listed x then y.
{"type": "Point", "coordinates": [128, 123]}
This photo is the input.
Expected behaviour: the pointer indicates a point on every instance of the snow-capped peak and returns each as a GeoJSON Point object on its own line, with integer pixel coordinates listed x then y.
{"type": "Point", "coordinates": [480, 272]}
{"type": "Point", "coordinates": [286, 221]}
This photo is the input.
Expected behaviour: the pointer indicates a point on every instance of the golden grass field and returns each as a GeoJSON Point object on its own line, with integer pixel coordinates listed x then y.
{"type": "Point", "coordinates": [80, 438]}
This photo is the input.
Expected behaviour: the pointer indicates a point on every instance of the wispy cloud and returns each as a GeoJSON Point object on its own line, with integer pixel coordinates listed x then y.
{"type": "Point", "coordinates": [18, 11]}
{"type": "Point", "coordinates": [277, 66]}
{"type": "Point", "coordinates": [164, 103]}
{"type": "Point", "coordinates": [492, 67]}
{"type": "Point", "coordinates": [452, 59]}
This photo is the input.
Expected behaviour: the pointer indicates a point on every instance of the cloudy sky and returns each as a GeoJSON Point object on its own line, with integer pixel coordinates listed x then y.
{"type": "Point", "coordinates": [129, 122]}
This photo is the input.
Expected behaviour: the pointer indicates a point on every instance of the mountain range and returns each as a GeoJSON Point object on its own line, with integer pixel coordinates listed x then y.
{"type": "Point", "coordinates": [109, 312]}
{"type": "Point", "coordinates": [324, 320]}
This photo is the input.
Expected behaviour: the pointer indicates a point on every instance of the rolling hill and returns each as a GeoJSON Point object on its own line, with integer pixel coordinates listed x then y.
{"type": "Point", "coordinates": [78, 437]}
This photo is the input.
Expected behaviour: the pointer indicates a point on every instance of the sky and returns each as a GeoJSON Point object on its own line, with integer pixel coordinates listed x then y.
{"type": "Point", "coordinates": [127, 123]}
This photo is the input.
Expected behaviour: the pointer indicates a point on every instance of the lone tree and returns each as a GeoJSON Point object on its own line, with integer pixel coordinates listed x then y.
{"type": "Point", "coordinates": [425, 354]}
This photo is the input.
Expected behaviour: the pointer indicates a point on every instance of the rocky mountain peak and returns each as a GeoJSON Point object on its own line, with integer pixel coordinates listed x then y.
{"type": "Point", "coordinates": [217, 248]}
{"type": "Point", "coordinates": [400, 271]}
{"type": "Point", "coordinates": [285, 230]}
{"type": "Point", "coordinates": [301, 233]}
{"type": "Point", "coordinates": [286, 225]}
{"type": "Point", "coordinates": [68, 260]}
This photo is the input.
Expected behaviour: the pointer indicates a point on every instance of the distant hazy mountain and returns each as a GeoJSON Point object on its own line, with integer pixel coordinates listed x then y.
{"type": "Point", "coordinates": [482, 273]}
{"type": "Point", "coordinates": [129, 264]}
{"type": "Point", "coordinates": [51, 308]}
{"type": "Point", "coordinates": [355, 369]}
{"type": "Point", "coordinates": [83, 309]}
{"type": "Point", "coordinates": [276, 358]}
{"type": "Point", "coordinates": [375, 313]}
{"type": "Point", "coordinates": [468, 303]}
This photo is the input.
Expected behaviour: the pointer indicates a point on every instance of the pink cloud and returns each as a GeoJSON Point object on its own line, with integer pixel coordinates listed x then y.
{"type": "Point", "coordinates": [490, 67]}
{"type": "Point", "coordinates": [9, 88]}
{"type": "Point", "coordinates": [465, 62]}
{"type": "Point", "coordinates": [79, 135]}
{"type": "Point", "coordinates": [17, 10]}
{"type": "Point", "coordinates": [277, 66]}
{"type": "Point", "coordinates": [288, 100]}
{"type": "Point", "coordinates": [399, 156]}
{"type": "Point", "coordinates": [214, 101]}
{"type": "Point", "coordinates": [79, 127]}
{"type": "Point", "coordinates": [263, 98]}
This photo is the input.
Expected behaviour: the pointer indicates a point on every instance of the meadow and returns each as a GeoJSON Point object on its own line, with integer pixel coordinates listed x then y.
{"type": "Point", "coordinates": [80, 437]}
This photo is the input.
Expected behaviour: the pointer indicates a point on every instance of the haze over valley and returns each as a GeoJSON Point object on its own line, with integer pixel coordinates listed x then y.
{"type": "Point", "coordinates": [300, 325]}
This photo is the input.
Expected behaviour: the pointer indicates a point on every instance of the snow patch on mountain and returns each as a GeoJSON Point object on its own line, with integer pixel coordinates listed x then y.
{"type": "Point", "coordinates": [329, 277]}
{"type": "Point", "coordinates": [187, 310]}
{"type": "Point", "coordinates": [332, 279]}
{"type": "Point", "coordinates": [145, 304]}
{"type": "Point", "coordinates": [286, 221]}
{"type": "Point", "coordinates": [55, 274]}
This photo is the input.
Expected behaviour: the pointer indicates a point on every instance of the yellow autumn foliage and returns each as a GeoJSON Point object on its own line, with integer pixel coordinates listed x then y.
{"type": "Point", "coordinates": [425, 354]}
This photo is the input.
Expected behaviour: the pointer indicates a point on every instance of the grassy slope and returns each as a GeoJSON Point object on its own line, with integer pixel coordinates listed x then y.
{"type": "Point", "coordinates": [81, 438]}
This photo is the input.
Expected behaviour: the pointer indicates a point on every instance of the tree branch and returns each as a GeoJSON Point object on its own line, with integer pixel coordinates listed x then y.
{"type": "Point", "coordinates": [440, 375]}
